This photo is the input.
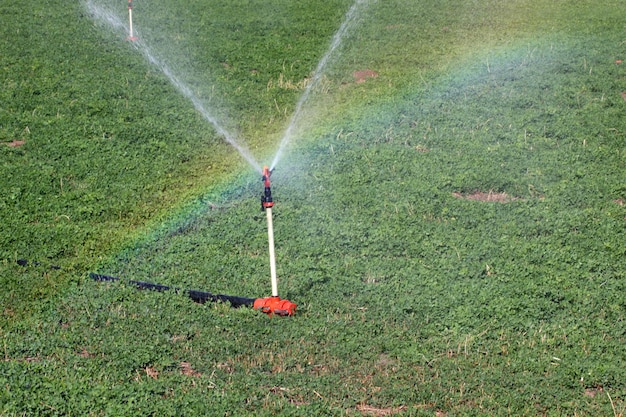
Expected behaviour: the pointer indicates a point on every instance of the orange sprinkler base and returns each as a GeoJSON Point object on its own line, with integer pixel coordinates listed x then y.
{"type": "Point", "coordinates": [274, 305]}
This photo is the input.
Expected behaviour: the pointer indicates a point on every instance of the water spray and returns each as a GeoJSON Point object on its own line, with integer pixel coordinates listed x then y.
{"type": "Point", "coordinates": [131, 36]}
{"type": "Point", "coordinates": [351, 16]}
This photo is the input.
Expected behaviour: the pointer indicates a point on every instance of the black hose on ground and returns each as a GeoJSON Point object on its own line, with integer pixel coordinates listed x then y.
{"type": "Point", "coordinates": [197, 296]}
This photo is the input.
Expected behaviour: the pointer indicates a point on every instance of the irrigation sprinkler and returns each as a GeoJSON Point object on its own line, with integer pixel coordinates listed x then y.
{"type": "Point", "coordinates": [273, 304]}
{"type": "Point", "coordinates": [269, 305]}
{"type": "Point", "coordinates": [131, 36]}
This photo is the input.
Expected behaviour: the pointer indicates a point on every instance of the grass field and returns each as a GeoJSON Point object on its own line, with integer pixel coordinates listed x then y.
{"type": "Point", "coordinates": [449, 214]}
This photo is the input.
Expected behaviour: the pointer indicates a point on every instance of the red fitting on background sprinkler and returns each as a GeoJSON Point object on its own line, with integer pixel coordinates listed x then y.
{"type": "Point", "coordinates": [275, 305]}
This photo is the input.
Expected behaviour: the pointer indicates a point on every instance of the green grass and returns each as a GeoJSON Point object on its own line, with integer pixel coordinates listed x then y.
{"type": "Point", "coordinates": [412, 300]}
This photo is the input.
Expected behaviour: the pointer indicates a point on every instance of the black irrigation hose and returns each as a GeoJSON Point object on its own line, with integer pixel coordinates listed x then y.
{"type": "Point", "coordinates": [270, 305]}
{"type": "Point", "coordinates": [197, 296]}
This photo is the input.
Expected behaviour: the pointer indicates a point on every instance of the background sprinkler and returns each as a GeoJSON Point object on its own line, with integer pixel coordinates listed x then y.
{"type": "Point", "coordinates": [269, 305]}
{"type": "Point", "coordinates": [130, 37]}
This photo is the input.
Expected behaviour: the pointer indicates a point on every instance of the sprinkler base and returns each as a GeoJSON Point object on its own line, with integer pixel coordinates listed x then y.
{"type": "Point", "coordinates": [275, 305]}
{"type": "Point", "coordinates": [131, 38]}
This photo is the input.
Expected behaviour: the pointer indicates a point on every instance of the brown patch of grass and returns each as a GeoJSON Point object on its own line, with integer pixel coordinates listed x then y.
{"type": "Point", "coordinates": [15, 143]}
{"type": "Point", "coordinates": [619, 201]}
{"type": "Point", "coordinates": [624, 95]}
{"type": "Point", "coordinates": [228, 367]}
{"type": "Point", "coordinates": [287, 84]}
{"type": "Point", "coordinates": [178, 338]}
{"type": "Point", "coordinates": [374, 411]}
{"type": "Point", "coordinates": [85, 354]}
{"type": "Point", "coordinates": [592, 392]}
{"type": "Point", "coordinates": [152, 372]}
{"type": "Point", "coordinates": [362, 75]}
{"type": "Point", "coordinates": [186, 369]}
{"type": "Point", "coordinates": [27, 359]}
{"type": "Point", "coordinates": [490, 196]}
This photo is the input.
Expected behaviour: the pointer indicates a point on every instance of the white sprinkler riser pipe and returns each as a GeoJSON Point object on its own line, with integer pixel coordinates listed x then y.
{"type": "Point", "coordinates": [130, 22]}
{"type": "Point", "coordinates": [270, 236]}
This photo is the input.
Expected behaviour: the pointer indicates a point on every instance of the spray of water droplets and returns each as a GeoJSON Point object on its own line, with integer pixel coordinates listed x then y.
{"type": "Point", "coordinates": [351, 17]}
{"type": "Point", "coordinates": [106, 16]}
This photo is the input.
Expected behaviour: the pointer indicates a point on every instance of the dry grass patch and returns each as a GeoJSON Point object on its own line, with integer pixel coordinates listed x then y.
{"type": "Point", "coordinates": [362, 75]}
{"type": "Point", "coordinates": [379, 412]}
{"type": "Point", "coordinates": [15, 143]}
{"type": "Point", "coordinates": [490, 196]}
{"type": "Point", "coordinates": [187, 369]}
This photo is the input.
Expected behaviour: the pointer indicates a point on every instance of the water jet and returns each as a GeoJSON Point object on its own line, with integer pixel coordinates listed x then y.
{"type": "Point", "coordinates": [348, 21]}
{"type": "Point", "coordinates": [105, 15]}
{"type": "Point", "coordinates": [272, 304]}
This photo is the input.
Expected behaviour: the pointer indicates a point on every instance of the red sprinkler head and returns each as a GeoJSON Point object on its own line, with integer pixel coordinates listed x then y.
{"type": "Point", "coordinates": [266, 198]}
{"type": "Point", "coordinates": [266, 175]}
{"type": "Point", "coordinates": [274, 305]}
